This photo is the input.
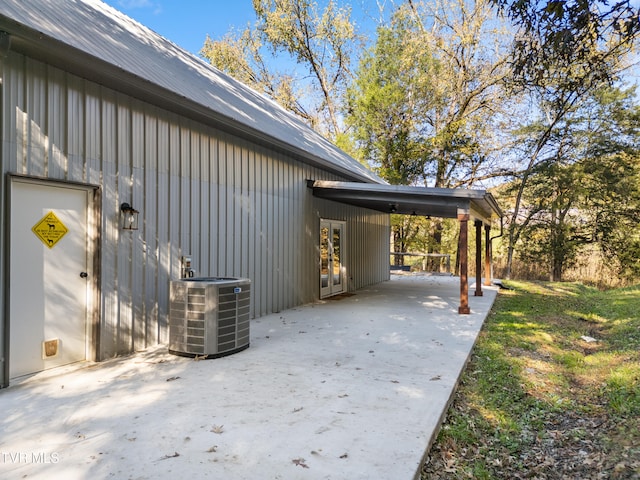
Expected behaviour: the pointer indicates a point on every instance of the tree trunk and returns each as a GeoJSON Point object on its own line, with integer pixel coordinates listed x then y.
{"type": "Point", "coordinates": [433, 264]}
{"type": "Point", "coordinates": [507, 274]}
{"type": "Point", "coordinates": [398, 244]}
{"type": "Point", "coordinates": [556, 271]}
{"type": "Point", "coordinates": [566, 105]}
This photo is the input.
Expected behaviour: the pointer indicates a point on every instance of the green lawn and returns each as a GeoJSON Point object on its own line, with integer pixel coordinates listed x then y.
{"type": "Point", "coordinates": [552, 390]}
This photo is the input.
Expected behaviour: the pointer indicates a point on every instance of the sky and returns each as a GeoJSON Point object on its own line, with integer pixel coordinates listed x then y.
{"type": "Point", "coordinates": [188, 22]}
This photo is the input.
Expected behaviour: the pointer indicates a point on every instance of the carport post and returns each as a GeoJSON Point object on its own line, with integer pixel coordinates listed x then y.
{"type": "Point", "coordinates": [487, 255]}
{"type": "Point", "coordinates": [463, 218]}
{"type": "Point", "coordinates": [478, 225]}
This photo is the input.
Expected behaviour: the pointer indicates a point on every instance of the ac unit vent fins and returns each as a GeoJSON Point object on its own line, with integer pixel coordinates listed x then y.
{"type": "Point", "coordinates": [209, 317]}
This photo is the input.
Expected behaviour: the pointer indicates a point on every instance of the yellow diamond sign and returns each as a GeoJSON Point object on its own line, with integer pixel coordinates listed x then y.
{"type": "Point", "coordinates": [50, 229]}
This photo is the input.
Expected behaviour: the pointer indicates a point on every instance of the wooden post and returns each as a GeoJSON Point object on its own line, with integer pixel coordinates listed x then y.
{"type": "Point", "coordinates": [463, 218]}
{"type": "Point", "coordinates": [478, 225]}
{"type": "Point", "coordinates": [488, 260]}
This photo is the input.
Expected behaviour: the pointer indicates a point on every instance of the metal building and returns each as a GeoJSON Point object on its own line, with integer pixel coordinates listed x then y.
{"type": "Point", "coordinates": [122, 154]}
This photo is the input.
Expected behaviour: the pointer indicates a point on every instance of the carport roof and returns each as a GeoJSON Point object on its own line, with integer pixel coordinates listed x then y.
{"type": "Point", "coordinates": [411, 200]}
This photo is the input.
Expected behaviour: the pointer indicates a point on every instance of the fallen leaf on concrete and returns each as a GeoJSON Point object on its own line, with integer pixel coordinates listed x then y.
{"type": "Point", "coordinates": [175, 454]}
{"type": "Point", "coordinates": [300, 462]}
{"type": "Point", "coordinates": [217, 429]}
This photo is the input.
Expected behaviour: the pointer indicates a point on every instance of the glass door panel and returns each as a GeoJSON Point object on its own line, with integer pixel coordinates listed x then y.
{"type": "Point", "coordinates": [324, 257]}
{"type": "Point", "coordinates": [331, 258]}
{"type": "Point", "coordinates": [336, 259]}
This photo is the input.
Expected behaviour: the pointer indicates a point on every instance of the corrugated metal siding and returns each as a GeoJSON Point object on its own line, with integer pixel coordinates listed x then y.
{"type": "Point", "coordinates": [237, 208]}
{"type": "Point", "coordinates": [4, 366]}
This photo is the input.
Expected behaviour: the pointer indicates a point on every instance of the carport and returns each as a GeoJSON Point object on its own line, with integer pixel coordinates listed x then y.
{"type": "Point", "coordinates": [466, 205]}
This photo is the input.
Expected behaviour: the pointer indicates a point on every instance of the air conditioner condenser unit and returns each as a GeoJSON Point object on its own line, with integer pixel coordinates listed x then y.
{"type": "Point", "coordinates": [209, 316]}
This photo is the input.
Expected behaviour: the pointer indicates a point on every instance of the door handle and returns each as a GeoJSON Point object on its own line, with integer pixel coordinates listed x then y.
{"type": "Point", "coordinates": [84, 274]}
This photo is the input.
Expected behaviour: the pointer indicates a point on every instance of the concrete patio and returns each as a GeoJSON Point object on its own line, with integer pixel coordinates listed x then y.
{"type": "Point", "coordinates": [349, 388]}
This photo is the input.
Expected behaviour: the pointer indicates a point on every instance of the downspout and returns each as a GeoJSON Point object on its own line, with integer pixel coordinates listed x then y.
{"type": "Point", "coordinates": [501, 229]}
{"type": "Point", "coordinates": [491, 242]}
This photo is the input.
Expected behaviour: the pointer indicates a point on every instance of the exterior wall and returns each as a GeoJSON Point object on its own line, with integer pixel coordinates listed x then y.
{"type": "Point", "coordinates": [237, 208]}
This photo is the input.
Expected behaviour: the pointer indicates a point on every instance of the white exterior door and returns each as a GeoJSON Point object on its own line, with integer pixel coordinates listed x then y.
{"type": "Point", "coordinates": [331, 258]}
{"type": "Point", "coordinates": [48, 276]}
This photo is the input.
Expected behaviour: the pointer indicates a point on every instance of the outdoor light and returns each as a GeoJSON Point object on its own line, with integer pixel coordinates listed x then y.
{"type": "Point", "coordinates": [393, 208]}
{"type": "Point", "coordinates": [129, 217]}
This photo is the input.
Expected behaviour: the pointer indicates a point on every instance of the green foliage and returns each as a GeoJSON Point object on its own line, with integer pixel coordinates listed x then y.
{"type": "Point", "coordinates": [536, 394]}
{"type": "Point", "coordinates": [564, 51]}
{"type": "Point", "coordinates": [622, 390]}
{"type": "Point", "coordinates": [420, 103]}
{"type": "Point", "coordinates": [570, 45]}
{"type": "Point", "coordinates": [586, 190]}
{"type": "Point", "coordinates": [386, 103]}
{"type": "Point", "coordinates": [416, 234]}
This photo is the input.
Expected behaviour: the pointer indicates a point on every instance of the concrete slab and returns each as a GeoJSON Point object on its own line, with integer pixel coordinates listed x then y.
{"type": "Point", "coordinates": [350, 388]}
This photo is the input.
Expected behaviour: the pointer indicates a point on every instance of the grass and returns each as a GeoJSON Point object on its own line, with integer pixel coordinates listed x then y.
{"type": "Point", "coordinates": [540, 398]}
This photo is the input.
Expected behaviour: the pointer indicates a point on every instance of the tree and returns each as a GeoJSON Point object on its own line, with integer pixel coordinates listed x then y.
{"type": "Point", "coordinates": [241, 56]}
{"type": "Point", "coordinates": [320, 40]}
{"type": "Point", "coordinates": [586, 191]}
{"type": "Point", "coordinates": [588, 34]}
{"type": "Point", "coordinates": [467, 89]}
{"type": "Point", "coordinates": [564, 50]}
{"type": "Point", "coordinates": [386, 104]}
{"type": "Point", "coordinates": [435, 75]}
{"type": "Point", "coordinates": [426, 94]}
{"type": "Point", "coordinates": [612, 178]}
{"type": "Point", "coordinates": [554, 229]}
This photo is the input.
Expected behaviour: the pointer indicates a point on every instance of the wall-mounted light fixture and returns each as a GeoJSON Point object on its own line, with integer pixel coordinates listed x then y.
{"type": "Point", "coordinates": [393, 208]}
{"type": "Point", "coordinates": [129, 217]}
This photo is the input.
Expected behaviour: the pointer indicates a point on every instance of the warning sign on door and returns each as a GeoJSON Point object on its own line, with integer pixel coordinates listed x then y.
{"type": "Point", "coordinates": [50, 229]}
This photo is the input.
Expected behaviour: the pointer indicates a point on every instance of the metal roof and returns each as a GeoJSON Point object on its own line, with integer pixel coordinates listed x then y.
{"type": "Point", "coordinates": [411, 200]}
{"type": "Point", "coordinates": [95, 41]}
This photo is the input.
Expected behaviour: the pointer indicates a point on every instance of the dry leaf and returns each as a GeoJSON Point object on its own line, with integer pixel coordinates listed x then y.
{"type": "Point", "coordinates": [300, 462]}
{"type": "Point", "coordinates": [217, 429]}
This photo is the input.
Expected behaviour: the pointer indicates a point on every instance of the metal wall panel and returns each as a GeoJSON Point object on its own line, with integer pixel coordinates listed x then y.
{"type": "Point", "coordinates": [238, 208]}
{"type": "Point", "coordinates": [4, 340]}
